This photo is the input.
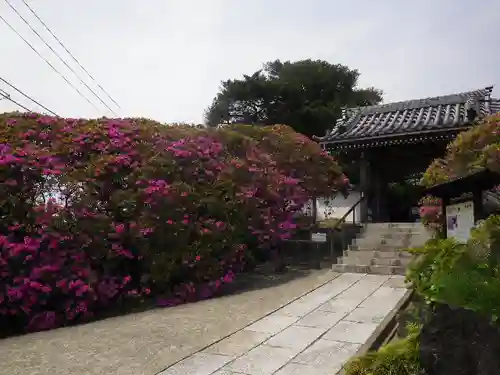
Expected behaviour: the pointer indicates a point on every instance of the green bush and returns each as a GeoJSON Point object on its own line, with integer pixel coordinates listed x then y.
{"type": "Point", "coordinates": [472, 150]}
{"type": "Point", "coordinates": [399, 357]}
{"type": "Point", "coordinates": [461, 275]}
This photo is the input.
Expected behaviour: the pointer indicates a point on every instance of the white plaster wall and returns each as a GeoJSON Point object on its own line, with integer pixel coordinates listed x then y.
{"type": "Point", "coordinates": [336, 207]}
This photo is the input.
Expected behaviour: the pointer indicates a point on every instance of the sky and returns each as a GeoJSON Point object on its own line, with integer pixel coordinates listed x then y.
{"type": "Point", "coordinates": [165, 59]}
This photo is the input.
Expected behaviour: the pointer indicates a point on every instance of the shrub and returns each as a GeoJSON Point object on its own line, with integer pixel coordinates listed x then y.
{"type": "Point", "coordinates": [472, 150]}
{"type": "Point", "coordinates": [95, 213]}
{"type": "Point", "coordinates": [462, 275]}
{"type": "Point", "coordinates": [431, 213]}
{"type": "Point", "coordinates": [400, 357]}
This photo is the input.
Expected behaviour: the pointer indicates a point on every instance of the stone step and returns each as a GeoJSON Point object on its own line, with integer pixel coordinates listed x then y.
{"type": "Point", "coordinates": [376, 235]}
{"type": "Point", "coordinates": [380, 248]}
{"type": "Point", "coordinates": [371, 269]}
{"type": "Point", "coordinates": [394, 233]}
{"type": "Point", "coordinates": [376, 243]}
{"type": "Point", "coordinates": [353, 260]}
{"type": "Point", "coordinates": [395, 225]}
{"type": "Point", "coordinates": [391, 237]}
{"type": "Point", "coordinates": [370, 253]}
{"type": "Point", "coordinates": [372, 262]}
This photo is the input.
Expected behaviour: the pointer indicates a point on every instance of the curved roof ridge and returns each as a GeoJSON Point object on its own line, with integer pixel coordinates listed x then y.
{"type": "Point", "coordinates": [425, 102]}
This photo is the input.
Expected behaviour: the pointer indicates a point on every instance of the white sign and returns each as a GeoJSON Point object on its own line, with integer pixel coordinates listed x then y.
{"type": "Point", "coordinates": [318, 237]}
{"type": "Point", "coordinates": [460, 220]}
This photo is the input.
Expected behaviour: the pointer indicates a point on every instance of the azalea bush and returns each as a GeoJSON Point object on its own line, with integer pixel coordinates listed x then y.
{"type": "Point", "coordinates": [96, 214]}
{"type": "Point", "coordinates": [431, 212]}
{"type": "Point", "coordinates": [472, 150]}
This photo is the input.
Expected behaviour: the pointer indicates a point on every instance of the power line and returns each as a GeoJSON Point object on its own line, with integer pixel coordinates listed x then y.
{"type": "Point", "coordinates": [47, 61]}
{"type": "Point", "coordinates": [5, 95]}
{"type": "Point", "coordinates": [27, 96]}
{"type": "Point", "coordinates": [69, 53]}
{"type": "Point", "coordinates": [58, 56]}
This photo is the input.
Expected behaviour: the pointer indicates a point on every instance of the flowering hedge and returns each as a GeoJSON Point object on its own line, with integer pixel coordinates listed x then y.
{"type": "Point", "coordinates": [97, 213]}
{"type": "Point", "coordinates": [474, 149]}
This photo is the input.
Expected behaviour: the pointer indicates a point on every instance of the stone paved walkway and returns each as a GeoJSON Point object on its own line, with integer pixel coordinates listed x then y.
{"type": "Point", "coordinates": [313, 335]}
{"type": "Point", "coordinates": [147, 343]}
{"type": "Point", "coordinates": [255, 332]}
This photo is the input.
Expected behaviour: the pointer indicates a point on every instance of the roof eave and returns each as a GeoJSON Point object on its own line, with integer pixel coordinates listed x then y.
{"type": "Point", "coordinates": [421, 133]}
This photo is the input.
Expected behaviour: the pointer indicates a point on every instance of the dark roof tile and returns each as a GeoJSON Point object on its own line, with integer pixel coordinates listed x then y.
{"type": "Point", "coordinates": [412, 116]}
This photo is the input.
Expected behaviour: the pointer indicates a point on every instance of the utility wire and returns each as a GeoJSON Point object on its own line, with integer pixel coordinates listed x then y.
{"type": "Point", "coordinates": [58, 56]}
{"type": "Point", "coordinates": [5, 95]}
{"type": "Point", "coordinates": [69, 53]}
{"type": "Point", "coordinates": [27, 96]}
{"type": "Point", "coordinates": [47, 61]}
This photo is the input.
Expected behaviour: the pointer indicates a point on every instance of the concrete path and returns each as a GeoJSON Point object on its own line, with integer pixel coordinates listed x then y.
{"type": "Point", "coordinates": [148, 342]}
{"type": "Point", "coordinates": [313, 335]}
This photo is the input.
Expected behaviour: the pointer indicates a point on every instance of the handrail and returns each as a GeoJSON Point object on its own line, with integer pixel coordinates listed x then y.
{"type": "Point", "coordinates": [341, 221]}
{"type": "Point", "coordinates": [351, 210]}
{"type": "Point", "coordinates": [333, 228]}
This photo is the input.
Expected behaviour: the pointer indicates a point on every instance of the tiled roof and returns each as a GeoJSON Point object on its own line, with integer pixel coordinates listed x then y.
{"type": "Point", "coordinates": [411, 117]}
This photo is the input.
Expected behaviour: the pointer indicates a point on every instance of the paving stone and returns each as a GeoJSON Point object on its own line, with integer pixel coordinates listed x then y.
{"type": "Point", "coordinates": [296, 337]}
{"type": "Point", "coordinates": [377, 279]}
{"type": "Point", "coordinates": [332, 288]}
{"type": "Point", "coordinates": [340, 284]}
{"type": "Point", "coordinates": [326, 353]}
{"type": "Point", "coordinates": [321, 353]}
{"type": "Point", "coordinates": [300, 369]}
{"type": "Point", "coordinates": [315, 298]}
{"type": "Point", "coordinates": [298, 309]}
{"type": "Point", "coordinates": [227, 372]}
{"type": "Point", "coordinates": [352, 332]}
{"type": "Point", "coordinates": [361, 290]}
{"type": "Point", "coordinates": [350, 278]}
{"type": "Point", "coordinates": [384, 296]}
{"type": "Point", "coordinates": [273, 323]}
{"type": "Point", "coordinates": [340, 305]}
{"type": "Point", "coordinates": [386, 292]}
{"type": "Point", "coordinates": [351, 348]}
{"type": "Point", "coordinates": [321, 319]}
{"type": "Point", "coordinates": [198, 364]}
{"type": "Point", "coordinates": [396, 282]}
{"type": "Point", "coordinates": [369, 314]}
{"type": "Point", "coordinates": [262, 360]}
{"type": "Point", "coordinates": [238, 343]}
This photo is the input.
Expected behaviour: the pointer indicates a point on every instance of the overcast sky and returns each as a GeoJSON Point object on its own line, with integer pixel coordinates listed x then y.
{"type": "Point", "coordinates": [164, 59]}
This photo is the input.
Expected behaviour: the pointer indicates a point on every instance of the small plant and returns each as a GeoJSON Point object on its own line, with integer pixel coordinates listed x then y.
{"type": "Point", "coordinates": [400, 357]}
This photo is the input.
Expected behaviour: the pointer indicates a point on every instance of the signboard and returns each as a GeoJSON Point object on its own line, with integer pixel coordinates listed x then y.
{"type": "Point", "coordinates": [460, 220]}
{"type": "Point", "coordinates": [318, 237]}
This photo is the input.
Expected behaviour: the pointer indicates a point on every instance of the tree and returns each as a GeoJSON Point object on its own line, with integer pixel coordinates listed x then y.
{"type": "Point", "coordinates": [307, 95]}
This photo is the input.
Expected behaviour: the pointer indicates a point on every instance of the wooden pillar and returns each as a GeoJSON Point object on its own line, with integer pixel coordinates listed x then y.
{"type": "Point", "coordinates": [364, 185]}
{"type": "Point", "coordinates": [376, 183]}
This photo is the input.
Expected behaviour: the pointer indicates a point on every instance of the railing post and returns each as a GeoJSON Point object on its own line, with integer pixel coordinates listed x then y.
{"type": "Point", "coordinates": [331, 237]}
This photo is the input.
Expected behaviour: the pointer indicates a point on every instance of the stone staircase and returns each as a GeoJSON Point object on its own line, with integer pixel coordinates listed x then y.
{"type": "Point", "coordinates": [378, 249]}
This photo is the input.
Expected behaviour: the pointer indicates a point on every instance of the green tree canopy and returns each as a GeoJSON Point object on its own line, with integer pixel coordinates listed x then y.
{"type": "Point", "coordinates": [307, 95]}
